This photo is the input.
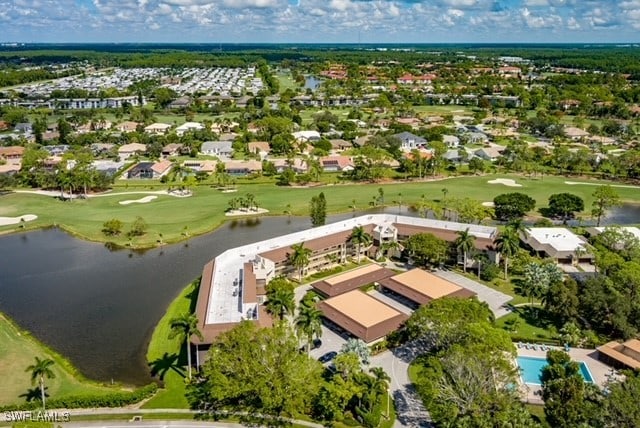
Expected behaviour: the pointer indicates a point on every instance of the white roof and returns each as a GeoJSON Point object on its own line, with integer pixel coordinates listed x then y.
{"type": "Point", "coordinates": [559, 238]}
{"type": "Point", "coordinates": [223, 306]}
{"type": "Point", "coordinates": [631, 229]}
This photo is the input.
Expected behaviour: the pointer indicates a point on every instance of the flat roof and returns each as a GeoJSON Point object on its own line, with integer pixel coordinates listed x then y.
{"type": "Point", "coordinates": [426, 283]}
{"type": "Point", "coordinates": [559, 238]}
{"type": "Point", "coordinates": [352, 274]}
{"type": "Point", "coordinates": [631, 229]}
{"type": "Point", "coordinates": [362, 308]}
{"type": "Point", "coordinates": [633, 344]}
{"type": "Point", "coordinates": [219, 306]}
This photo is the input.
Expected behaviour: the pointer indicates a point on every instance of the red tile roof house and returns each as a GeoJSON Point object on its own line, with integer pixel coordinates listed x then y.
{"type": "Point", "coordinates": [336, 164]}
{"type": "Point", "coordinates": [12, 154]}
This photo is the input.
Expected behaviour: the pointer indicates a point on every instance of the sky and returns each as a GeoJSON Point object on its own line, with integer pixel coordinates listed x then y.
{"type": "Point", "coordinates": [317, 21]}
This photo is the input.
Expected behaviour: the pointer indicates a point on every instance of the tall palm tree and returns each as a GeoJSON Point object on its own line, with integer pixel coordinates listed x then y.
{"type": "Point", "coordinates": [185, 326]}
{"type": "Point", "coordinates": [299, 258]}
{"type": "Point", "coordinates": [465, 243]}
{"type": "Point", "coordinates": [360, 237]}
{"type": "Point", "coordinates": [39, 371]}
{"type": "Point", "coordinates": [308, 324]}
{"type": "Point", "coordinates": [281, 301]}
{"type": "Point", "coordinates": [381, 383]}
{"type": "Point", "coordinates": [507, 245]}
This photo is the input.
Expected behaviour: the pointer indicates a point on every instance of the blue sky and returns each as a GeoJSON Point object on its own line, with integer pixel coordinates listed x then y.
{"type": "Point", "coordinates": [349, 21]}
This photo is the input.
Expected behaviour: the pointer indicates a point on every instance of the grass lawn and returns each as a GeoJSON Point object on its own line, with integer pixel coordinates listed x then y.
{"type": "Point", "coordinates": [18, 350]}
{"type": "Point", "coordinates": [204, 211]}
{"type": "Point", "coordinates": [286, 82]}
{"type": "Point", "coordinates": [525, 325]}
{"type": "Point", "coordinates": [168, 356]}
{"type": "Point", "coordinates": [439, 110]}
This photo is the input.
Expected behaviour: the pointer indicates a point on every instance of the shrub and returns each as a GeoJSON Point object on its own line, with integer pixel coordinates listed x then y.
{"type": "Point", "coordinates": [114, 399]}
{"type": "Point", "coordinates": [138, 228]}
{"type": "Point", "coordinates": [489, 272]}
{"type": "Point", "coordinates": [112, 227]}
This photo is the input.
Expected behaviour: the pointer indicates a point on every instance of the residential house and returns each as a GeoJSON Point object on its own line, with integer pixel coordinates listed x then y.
{"type": "Point", "coordinates": [489, 153]}
{"type": "Point", "coordinates": [126, 127]}
{"type": "Point", "coordinates": [172, 149]}
{"type": "Point", "coordinates": [221, 149]}
{"type": "Point", "coordinates": [182, 102]}
{"type": "Point", "coordinates": [241, 167]}
{"type": "Point", "coordinates": [3, 125]}
{"type": "Point", "coordinates": [10, 168]}
{"type": "Point", "coordinates": [306, 136]}
{"type": "Point", "coordinates": [208, 166]}
{"type": "Point", "coordinates": [410, 141]}
{"type": "Point", "coordinates": [339, 145]}
{"type": "Point", "coordinates": [451, 141]}
{"type": "Point", "coordinates": [128, 150]}
{"type": "Point", "coordinates": [188, 127]}
{"type": "Point", "coordinates": [576, 134]}
{"type": "Point", "coordinates": [260, 148]}
{"type": "Point", "coordinates": [149, 170]}
{"type": "Point", "coordinates": [157, 128]}
{"type": "Point", "coordinates": [477, 137]}
{"type": "Point", "coordinates": [336, 164]}
{"type": "Point", "coordinates": [296, 164]}
{"type": "Point", "coordinates": [12, 154]}
{"type": "Point", "coordinates": [101, 148]}
{"type": "Point", "coordinates": [453, 156]}
{"type": "Point", "coordinates": [25, 128]}
{"type": "Point", "coordinates": [558, 243]}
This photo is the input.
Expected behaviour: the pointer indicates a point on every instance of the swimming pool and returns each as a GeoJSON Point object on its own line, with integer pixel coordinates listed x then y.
{"type": "Point", "coordinates": [531, 370]}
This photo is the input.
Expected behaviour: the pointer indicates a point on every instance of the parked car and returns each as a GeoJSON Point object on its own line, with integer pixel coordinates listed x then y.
{"type": "Point", "coordinates": [325, 358]}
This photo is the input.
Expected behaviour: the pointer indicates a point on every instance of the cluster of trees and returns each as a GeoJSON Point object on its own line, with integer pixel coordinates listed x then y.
{"type": "Point", "coordinates": [606, 304]}
{"type": "Point", "coordinates": [465, 374]}
{"type": "Point", "coordinates": [114, 226]}
{"type": "Point", "coordinates": [244, 203]}
{"type": "Point", "coordinates": [318, 210]}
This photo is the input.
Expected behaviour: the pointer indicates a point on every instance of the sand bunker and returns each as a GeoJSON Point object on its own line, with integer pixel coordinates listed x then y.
{"type": "Point", "coordinates": [238, 213]}
{"type": "Point", "coordinates": [6, 221]}
{"type": "Point", "coordinates": [488, 204]}
{"type": "Point", "coordinates": [505, 181]}
{"type": "Point", "coordinates": [230, 191]}
{"type": "Point", "coordinates": [144, 200]}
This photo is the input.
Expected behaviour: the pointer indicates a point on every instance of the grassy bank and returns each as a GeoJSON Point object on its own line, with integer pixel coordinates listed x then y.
{"type": "Point", "coordinates": [18, 350]}
{"type": "Point", "coordinates": [167, 357]}
{"type": "Point", "coordinates": [167, 216]}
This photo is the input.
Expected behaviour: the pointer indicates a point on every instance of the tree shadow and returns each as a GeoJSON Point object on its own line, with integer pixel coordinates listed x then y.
{"type": "Point", "coordinates": [193, 296]}
{"type": "Point", "coordinates": [535, 316]}
{"type": "Point", "coordinates": [33, 394]}
{"type": "Point", "coordinates": [161, 366]}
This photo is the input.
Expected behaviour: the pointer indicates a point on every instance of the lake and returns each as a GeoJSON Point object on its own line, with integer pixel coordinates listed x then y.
{"type": "Point", "coordinates": [311, 82]}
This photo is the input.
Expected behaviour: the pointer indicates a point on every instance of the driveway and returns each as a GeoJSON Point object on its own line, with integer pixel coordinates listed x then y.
{"type": "Point", "coordinates": [410, 410]}
{"type": "Point", "coordinates": [495, 299]}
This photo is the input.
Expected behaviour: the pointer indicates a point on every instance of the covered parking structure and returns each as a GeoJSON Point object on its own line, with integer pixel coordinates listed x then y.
{"type": "Point", "coordinates": [422, 287]}
{"type": "Point", "coordinates": [361, 315]}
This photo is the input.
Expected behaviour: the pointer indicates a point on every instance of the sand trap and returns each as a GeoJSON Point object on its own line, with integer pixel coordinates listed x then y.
{"type": "Point", "coordinates": [230, 191]}
{"type": "Point", "coordinates": [488, 204]}
{"type": "Point", "coordinates": [574, 183]}
{"type": "Point", "coordinates": [239, 213]}
{"type": "Point", "coordinates": [505, 181]}
{"type": "Point", "coordinates": [6, 221]}
{"type": "Point", "coordinates": [144, 200]}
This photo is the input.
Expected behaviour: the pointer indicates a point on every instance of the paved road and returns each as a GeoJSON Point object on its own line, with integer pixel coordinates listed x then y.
{"type": "Point", "coordinates": [495, 299]}
{"type": "Point", "coordinates": [149, 424]}
{"type": "Point", "coordinates": [410, 410]}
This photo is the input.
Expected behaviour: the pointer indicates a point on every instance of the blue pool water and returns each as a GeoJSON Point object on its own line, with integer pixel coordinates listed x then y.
{"type": "Point", "coordinates": [531, 370]}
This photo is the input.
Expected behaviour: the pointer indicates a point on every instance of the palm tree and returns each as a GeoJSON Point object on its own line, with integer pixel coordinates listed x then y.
{"type": "Point", "coordinates": [281, 301]}
{"type": "Point", "coordinates": [299, 258]}
{"type": "Point", "coordinates": [39, 371]}
{"type": "Point", "coordinates": [360, 237]}
{"type": "Point", "coordinates": [381, 383]}
{"type": "Point", "coordinates": [465, 243]}
{"type": "Point", "coordinates": [308, 324]}
{"type": "Point", "coordinates": [507, 245]}
{"type": "Point", "coordinates": [185, 326]}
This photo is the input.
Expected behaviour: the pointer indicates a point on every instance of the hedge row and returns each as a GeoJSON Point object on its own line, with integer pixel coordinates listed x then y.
{"type": "Point", "coordinates": [114, 399]}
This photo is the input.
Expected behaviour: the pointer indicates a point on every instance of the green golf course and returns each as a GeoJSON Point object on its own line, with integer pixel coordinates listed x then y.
{"type": "Point", "coordinates": [171, 219]}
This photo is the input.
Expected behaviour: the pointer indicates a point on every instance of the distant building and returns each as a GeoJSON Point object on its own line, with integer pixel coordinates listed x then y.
{"type": "Point", "coordinates": [558, 243]}
{"type": "Point", "coordinates": [221, 149]}
{"type": "Point", "coordinates": [410, 141]}
{"type": "Point", "coordinates": [128, 150]}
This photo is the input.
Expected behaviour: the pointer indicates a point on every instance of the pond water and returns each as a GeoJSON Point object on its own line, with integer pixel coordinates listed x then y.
{"type": "Point", "coordinates": [312, 82]}
{"type": "Point", "coordinates": [99, 307]}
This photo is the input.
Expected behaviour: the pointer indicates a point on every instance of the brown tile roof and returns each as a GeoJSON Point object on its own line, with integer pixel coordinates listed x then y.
{"type": "Point", "coordinates": [282, 254]}
{"type": "Point", "coordinates": [352, 280]}
{"type": "Point", "coordinates": [615, 351]}
{"type": "Point", "coordinates": [161, 167]}
{"type": "Point", "coordinates": [447, 235]}
{"type": "Point", "coordinates": [422, 287]}
{"type": "Point", "coordinates": [362, 315]}
{"type": "Point", "coordinates": [249, 294]}
{"type": "Point", "coordinates": [259, 146]}
{"type": "Point", "coordinates": [11, 151]}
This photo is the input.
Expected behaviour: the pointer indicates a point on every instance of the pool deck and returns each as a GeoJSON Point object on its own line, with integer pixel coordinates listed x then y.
{"type": "Point", "coordinates": [599, 371]}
